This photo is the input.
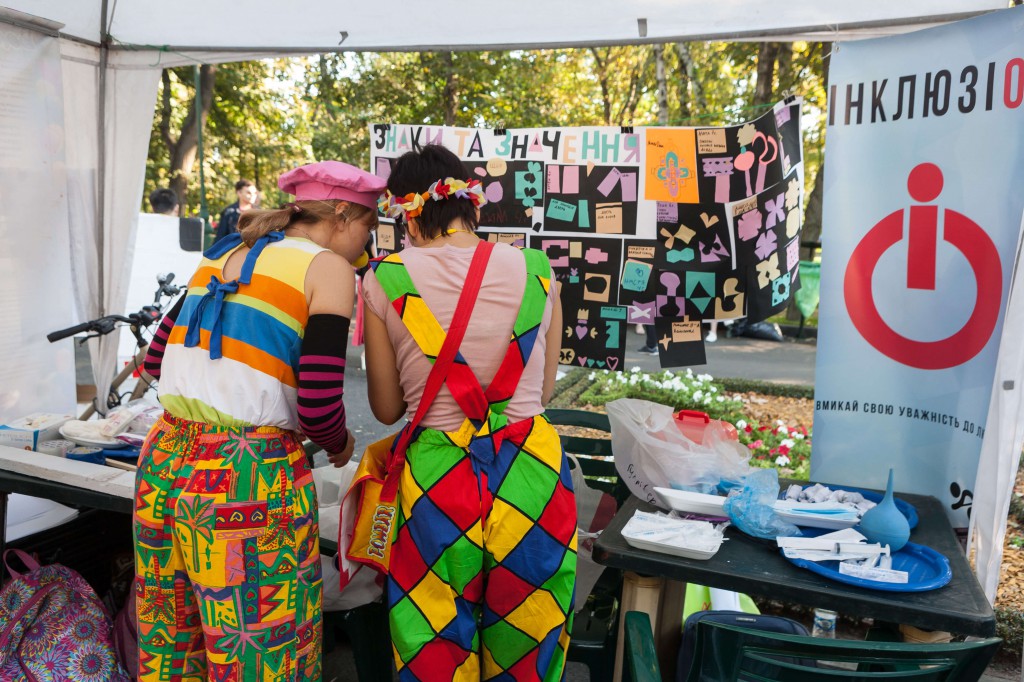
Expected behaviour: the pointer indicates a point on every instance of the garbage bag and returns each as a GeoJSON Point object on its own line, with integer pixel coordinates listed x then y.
{"type": "Point", "coordinates": [651, 451]}
{"type": "Point", "coordinates": [768, 331]}
{"type": "Point", "coordinates": [751, 508]}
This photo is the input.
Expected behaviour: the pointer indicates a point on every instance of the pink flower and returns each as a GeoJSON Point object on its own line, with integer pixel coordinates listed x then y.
{"type": "Point", "coordinates": [784, 449]}
{"type": "Point", "coordinates": [757, 444]}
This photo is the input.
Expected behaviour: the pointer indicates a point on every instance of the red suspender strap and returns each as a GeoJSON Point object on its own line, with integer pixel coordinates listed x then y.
{"type": "Point", "coordinates": [445, 358]}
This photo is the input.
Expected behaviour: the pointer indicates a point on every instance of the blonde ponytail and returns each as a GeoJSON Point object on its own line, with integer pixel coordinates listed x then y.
{"type": "Point", "coordinates": [256, 223]}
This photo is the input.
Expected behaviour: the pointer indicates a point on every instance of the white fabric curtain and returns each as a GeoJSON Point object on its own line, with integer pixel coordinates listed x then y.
{"type": "Point", "coordinates": [130, 99]}
{"type": "Point", "coordinates": [1004, 438]}
{"type": "Point", "coordinates": [35, 285]}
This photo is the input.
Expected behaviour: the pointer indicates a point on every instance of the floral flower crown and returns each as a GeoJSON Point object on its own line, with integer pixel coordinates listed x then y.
{"type": "Point", "coordinates": [411, 205]}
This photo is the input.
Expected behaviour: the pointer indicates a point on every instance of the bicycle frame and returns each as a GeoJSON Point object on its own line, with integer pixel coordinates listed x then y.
{"type": "Point", "coordinates": [144, 384]}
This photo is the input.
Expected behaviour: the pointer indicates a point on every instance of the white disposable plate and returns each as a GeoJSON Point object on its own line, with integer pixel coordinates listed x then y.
{"type": "Point", "coordinates": [685, 552]}
{"type": "Point", "coordinates": [686, 501]}
{"type": "Point", "coordinates": [92, 440]}
{"type": "Point", "coordinates": [817, 520]}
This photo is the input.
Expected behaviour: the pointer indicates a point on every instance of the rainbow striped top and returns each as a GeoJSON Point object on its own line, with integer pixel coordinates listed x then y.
{"type": "Point", "coordinates": [232, 358]}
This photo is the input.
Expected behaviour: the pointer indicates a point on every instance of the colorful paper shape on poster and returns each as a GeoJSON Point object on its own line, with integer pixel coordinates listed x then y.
{"type": "Point", "coordinates": [520, 240]}
{"type": "Point", "coordinates": [764, 253]}
{"type": "Point", "coordinates": [787, 121]}
{"type": "Point", "coordinates": [737, 162]}
{"type": "Point", "coordinates": [587, 269]}
{"type": "Point", "coordinates": [670, 174]}
{"type": "Point", "coordinates": [602, 199]}
{"type": "Point", "coordinates": [680, 343]}
{"type": "Point", "coordinates": [636, 275]}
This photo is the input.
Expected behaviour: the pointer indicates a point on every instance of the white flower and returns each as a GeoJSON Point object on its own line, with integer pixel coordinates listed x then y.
{"type": "Point", "coordinates": [781, 460]}
{"type": "Point", "coordinates": [591, 376]}
{"type": "Point", "coordinates": [783, 430]}
{"type": "Point", "coordinates": [798, 435]}
{"type": "Point", "coordinates": [703, 377]}
{"type": "Point", "coordinates": [788, 442]}
{"type": "Point", "coordinates": [779, 422]}
{"type": "Point", "coordinates": [741, 424]}
{"type": "Point", "coordinates": [635, 370]}
{"type": "Point", "coordinates": [698, 394]}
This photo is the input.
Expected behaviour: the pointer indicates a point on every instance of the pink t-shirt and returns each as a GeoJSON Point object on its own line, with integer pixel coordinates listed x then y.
{"type": "Point", "coordinates": [439, 275]}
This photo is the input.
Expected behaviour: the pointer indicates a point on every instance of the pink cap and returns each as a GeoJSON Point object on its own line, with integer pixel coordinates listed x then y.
{"type": "Point", "coordinates": [333, 180]}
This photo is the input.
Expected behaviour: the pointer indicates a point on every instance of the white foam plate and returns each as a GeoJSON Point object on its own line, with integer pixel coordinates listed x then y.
{"type": "Point", "coordinates": [674, 550]}
{"type": "Point", "coordinates": [695, 503]}
{"type": "Point", "coordinates": [91, 440]}
{"type": "Point", "coordinates": [817, 520]}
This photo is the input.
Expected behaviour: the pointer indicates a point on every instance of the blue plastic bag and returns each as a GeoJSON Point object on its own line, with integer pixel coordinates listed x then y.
{"type": "Point", "coordinates": [751, 509]}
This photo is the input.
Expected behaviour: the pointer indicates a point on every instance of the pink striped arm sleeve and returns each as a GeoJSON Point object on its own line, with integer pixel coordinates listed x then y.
{"type": "Point", "coordinates": [155, 355]}
{"type": "Point", "coordinates": [321, 408]}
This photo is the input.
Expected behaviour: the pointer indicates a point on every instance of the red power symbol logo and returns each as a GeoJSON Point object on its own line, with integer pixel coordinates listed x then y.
{"type": "Point", "coordinates": [924, 184]}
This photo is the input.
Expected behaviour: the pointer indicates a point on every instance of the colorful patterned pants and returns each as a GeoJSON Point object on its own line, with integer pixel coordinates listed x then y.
{"type": "Point", "coordinates": [227, 556]}
{"type": "Point", "coordinates": [483, 567]}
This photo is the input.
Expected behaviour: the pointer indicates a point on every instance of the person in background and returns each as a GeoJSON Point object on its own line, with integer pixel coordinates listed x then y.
{"type": "Point", "coordinates": [228, 579]}
{"type": "Point", "coordinates": [650, 346]}
{"type": "Point", "coordinates": [248, 195]}
{"type": "Point", "coordinates": [164, 201]}
{"type": "Point", "coordinates": [483, 564]}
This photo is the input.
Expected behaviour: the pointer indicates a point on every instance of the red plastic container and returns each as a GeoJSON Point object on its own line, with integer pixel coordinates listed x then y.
{"type": "Point", "coordinates": [693, 424]}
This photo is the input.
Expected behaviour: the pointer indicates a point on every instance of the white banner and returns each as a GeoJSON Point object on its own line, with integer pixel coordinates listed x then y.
{"type": "Point", "coordinates": [923, 203]}
{"type": "Point", "coordinates": [35, 279]}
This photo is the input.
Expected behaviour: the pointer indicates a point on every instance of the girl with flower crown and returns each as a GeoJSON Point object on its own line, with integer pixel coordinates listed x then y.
{"type": "Point", "coordinates": [483, 561]}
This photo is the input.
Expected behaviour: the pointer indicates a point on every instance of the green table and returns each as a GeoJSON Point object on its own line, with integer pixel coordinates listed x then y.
{"type": "Point", "coordinates": [756, 567]}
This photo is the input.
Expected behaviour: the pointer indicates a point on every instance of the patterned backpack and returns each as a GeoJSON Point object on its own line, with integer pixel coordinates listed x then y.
{"type": "Point", "coordinates": [53, 627]}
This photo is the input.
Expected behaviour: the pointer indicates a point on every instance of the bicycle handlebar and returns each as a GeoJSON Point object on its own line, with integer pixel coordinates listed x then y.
{"type": "Point", "coordinates": [70, 331]}
{"type": "Point", "coordinates": [138, 320]}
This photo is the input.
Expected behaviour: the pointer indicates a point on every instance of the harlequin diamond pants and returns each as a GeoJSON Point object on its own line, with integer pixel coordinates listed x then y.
{"type": "Point", "coordinates": [227, 556]}
{"type": "Point", "coordinates": [483, 566]}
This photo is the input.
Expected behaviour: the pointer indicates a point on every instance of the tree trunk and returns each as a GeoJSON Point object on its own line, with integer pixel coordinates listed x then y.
{"type": "Point", "coordinates": [450, 94]}
{"type": "Point", "coordinates": [602, 79]}
{"type": "Point", "coordinates": [659, 74]}
{"type": "Point", "coordinates": [182, 152]}
{"type": "Point", "coordinates": [812, 212]}
{"type": "Point", "coordinates": [765, 86]}
{"type": "Point", "coordinates": [691, 93]}
{"type": "Point", "coordinates": [784, 59]}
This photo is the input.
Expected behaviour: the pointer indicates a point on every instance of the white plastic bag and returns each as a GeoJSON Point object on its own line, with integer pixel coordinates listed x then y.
{"type": "Point", "coordinates": [594, 511]}
{"type": "Point", "coordinates": [651, 451]}
{"type": "Point", "coordinates": [365, 586]}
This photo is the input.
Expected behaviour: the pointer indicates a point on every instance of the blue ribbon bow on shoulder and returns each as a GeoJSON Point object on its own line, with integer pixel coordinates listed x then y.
{"type": "Point", "coordinates": [216, 290]}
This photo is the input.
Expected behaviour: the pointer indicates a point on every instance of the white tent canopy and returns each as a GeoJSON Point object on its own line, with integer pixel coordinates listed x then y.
{"type": "Point", "coordinates": [318, 25]}
{"type": "Point", "coordinates": [112, 53]}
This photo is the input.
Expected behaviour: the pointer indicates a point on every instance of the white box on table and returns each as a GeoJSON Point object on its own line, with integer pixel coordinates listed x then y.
{"type": "Point", "coordinates": [28, 432]}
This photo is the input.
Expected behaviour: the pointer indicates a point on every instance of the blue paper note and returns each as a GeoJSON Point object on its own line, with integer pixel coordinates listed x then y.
{"type": "Point", "coordinates": [561, 210]}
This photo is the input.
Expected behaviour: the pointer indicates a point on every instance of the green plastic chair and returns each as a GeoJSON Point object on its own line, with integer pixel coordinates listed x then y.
{"type": "Point", "coordinates": [726, 653]}
{"type": "Point", "coordinates": [641, 659]}
{"type": "Point", "coordinates": [595, 629]}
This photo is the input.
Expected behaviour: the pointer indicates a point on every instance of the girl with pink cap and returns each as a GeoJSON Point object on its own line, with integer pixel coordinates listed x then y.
{"type": "Point", "coordinates": [228, 578]}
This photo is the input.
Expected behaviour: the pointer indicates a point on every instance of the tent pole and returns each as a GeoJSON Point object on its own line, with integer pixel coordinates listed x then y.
{"type": "Point", "coordinates": [101, 158]}
{"type": "Point", "coordinates": [204, 213]}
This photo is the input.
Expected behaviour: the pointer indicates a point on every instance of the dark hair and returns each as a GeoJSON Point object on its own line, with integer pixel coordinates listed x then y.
{"type": "Point", "coordinates": [414, 172]}
{"type": "Point", "coordinates": [163, 200]}
{"type": "Point", "coordinates": [242, 184]}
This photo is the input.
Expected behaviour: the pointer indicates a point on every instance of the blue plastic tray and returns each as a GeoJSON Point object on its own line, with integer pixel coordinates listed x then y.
{"type": "Point", "coordinates": [927, 569]}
